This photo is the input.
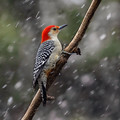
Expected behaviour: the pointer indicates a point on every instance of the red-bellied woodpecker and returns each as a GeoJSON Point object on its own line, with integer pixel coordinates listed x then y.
{"type": "Point", "coordinates": [47, 55]}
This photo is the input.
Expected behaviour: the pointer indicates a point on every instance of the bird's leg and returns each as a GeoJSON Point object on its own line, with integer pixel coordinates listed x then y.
{"type": "Point", "coordinates": [64, 46]}
{"type": "Point", "coordinates": [49, 98]}
{"type": "Point", "coordinates": [65, 52]}
{"type": "Point", "coordinates": [75, 50]}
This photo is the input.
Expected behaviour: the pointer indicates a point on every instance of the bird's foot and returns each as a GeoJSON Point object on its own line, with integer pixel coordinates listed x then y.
{"type": "Point", "coordinates": [75, 50]}
{"type": "Point", "coordinates": [50, 98]}
{"type": "Point", "coordinates": [65, 52]}
{"type": "Point", "coordinates": [64, 45]}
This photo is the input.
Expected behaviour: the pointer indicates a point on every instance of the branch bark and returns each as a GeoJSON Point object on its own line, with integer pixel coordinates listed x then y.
{"type": "Point", "coordinates": [63, 59]}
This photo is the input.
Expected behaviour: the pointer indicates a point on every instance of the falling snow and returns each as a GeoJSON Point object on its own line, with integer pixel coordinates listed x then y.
{"type": "Point", "coordinates": [34, 39]}
{"type": "Point", "coordinates": [17, 24]}
{"type": "Point", "coordinates": [66, 113]}
{"type": "Point", "coordinates": [63, 104]}
{"type": "Point", "coordinates": [37, 15]}
{"type": "Point", "coordinates": [10, 48]}
{"type": "Point", "coordinates": [38, 119]}
{"type": "Point", "coordinates": [18, 85]}
{"type": "Point", "coordinates": [72, 61]}
{"type": "Point", "coordinates": [69, 88]}
{"type": "Point", "coordinates": [106, 58]}
{"type": "Point", "coordinates": [75, 71]}
{"type": "Point", "coordinates": [92, 92]}
{"type": "Point", "coordinates": [87, 80]}
{"type": "Point", "coordinates": [113, 33]}
{"type": "Point", "coordinates": [10, 101]}
{"type": "Point", "coordinates": [25, 1]}
{"type": "Point", "coordinates": [4, 86]}
{"type": "Point", "coordinates": [78, 14]}
{"type": "Point", "coordinates": [28, 18]}
{"type": "Point", "coordinates": [8, 25]}
{"type": "Point", "coordinates": [103, 36]}
{"type": "Point", "coordinates": [108, 16]}
{"type": "Point", "coordinates": [83, 6]}
{"type": "Point", "coordinates": [76, 77]}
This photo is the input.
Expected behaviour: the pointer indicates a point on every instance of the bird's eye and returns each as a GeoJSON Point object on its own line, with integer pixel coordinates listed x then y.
{"type": "Point", "coordinates": [54, 29]}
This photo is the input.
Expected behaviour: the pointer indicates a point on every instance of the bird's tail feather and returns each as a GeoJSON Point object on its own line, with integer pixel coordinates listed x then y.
{"type": "Point", "coordinates": [43, 93]}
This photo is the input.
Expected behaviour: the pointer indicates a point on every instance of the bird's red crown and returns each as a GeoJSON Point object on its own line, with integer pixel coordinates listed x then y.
{"type": "Point", "coordinates": [45, 32]}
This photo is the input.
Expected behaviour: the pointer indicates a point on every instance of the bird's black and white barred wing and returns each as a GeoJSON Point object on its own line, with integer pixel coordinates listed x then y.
{"type": "Point", "coordinates": [42, 56]}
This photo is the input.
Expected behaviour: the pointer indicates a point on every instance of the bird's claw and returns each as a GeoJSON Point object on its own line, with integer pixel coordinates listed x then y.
{"type": "Point", "coordinates": [77, 50]}
{"type": "Point", "coordinates": [64, 45]}
{"type": "Point", "coordinates": [49, 98]}
{"type": "Point", "coordinates": [65, 52]}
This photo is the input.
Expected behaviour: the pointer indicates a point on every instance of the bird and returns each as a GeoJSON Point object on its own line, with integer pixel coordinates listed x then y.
{"type": "Point", "coordinates": [47, 55]}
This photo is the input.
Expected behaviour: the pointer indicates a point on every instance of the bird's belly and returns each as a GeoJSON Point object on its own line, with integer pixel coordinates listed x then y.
{"type": "Point", "coordinates": [53, 59]}
{"type": "Point", "coordinates": [51, 63]}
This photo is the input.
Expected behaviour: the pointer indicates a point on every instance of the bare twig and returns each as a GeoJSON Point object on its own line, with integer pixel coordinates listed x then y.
{"type": "Point", "coordinates": [70, 48]}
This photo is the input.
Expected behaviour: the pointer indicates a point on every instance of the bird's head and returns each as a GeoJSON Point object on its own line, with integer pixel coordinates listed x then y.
{"type": "Point", "coordinates": [51, 31]}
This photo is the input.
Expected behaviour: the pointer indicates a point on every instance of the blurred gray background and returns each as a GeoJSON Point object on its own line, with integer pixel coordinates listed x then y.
{"type": "Point", "coordinates": [88, 86]}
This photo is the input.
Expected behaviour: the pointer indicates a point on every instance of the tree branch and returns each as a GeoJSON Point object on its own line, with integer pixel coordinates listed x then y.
{"type": "Point", "coordinates": [63, 59]}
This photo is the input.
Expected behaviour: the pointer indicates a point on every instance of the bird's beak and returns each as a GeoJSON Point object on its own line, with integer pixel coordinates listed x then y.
{"type": "Point", "coordinates": [62, 26]}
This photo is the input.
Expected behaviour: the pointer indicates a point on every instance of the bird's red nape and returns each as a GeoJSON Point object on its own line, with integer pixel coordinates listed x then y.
{"type": "Point", "coordinates": [45, 32]}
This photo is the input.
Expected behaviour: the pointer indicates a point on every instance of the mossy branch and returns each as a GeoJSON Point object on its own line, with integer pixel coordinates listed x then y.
{"type": "Point", "coordinates": [63, 59]}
